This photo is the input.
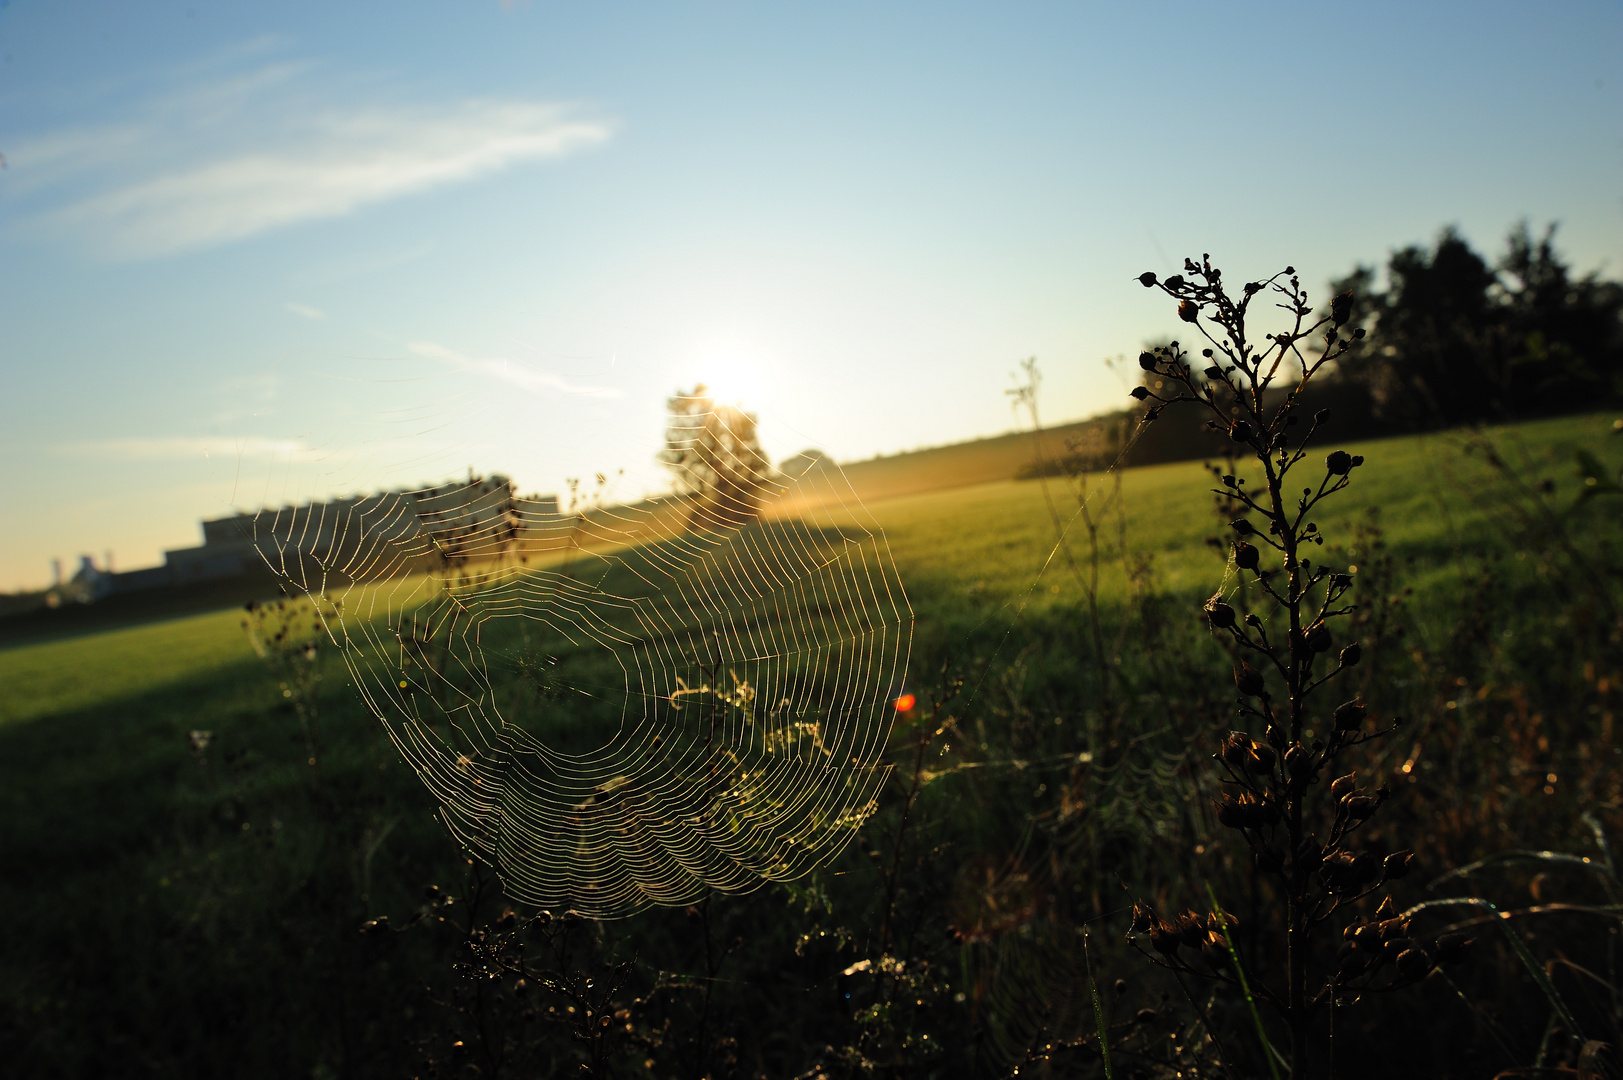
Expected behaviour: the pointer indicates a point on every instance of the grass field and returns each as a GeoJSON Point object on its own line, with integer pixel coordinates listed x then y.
{"type": "Point", "coordinates": [155, 892]}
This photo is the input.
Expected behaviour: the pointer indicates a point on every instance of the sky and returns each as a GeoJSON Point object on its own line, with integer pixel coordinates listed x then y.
{"type": "Point", "coordinates": [256, 253]}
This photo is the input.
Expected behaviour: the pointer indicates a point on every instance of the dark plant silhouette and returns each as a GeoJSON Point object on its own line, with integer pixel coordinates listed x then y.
{"type": "Point", "coordinates": [1299, 819]}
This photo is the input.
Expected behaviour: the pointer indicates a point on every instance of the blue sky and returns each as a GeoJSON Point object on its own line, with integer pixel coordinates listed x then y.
{"type": "Point", "coordinates": [252, 253]}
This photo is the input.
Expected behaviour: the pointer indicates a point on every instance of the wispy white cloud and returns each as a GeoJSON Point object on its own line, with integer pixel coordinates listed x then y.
{"type": "Point", "coordinates": [305, 310]}
{"type": "Point", "coordinates": [256, 150]}
{"type": "Point", "coordinates": [181, 448]}
{"type": "Point", "coordinates": [513, 372]}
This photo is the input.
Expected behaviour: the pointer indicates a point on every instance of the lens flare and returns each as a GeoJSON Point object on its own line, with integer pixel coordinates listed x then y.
{"type": "Point", "coordinates": [905, 703]}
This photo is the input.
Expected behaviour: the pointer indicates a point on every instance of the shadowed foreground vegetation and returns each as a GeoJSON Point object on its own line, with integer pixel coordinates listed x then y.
{"type": "Point", "coordinates": [185, 893]}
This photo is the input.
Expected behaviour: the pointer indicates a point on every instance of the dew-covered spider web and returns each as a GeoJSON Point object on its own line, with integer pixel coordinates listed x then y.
{"type": "Point", "coordinates": [619, 706]}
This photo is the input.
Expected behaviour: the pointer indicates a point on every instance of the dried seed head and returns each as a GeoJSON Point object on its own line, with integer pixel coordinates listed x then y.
{"type": "Point", "coordinates": [1341, 308]}
{"type": "Point", "coordinates": [1219, 614]}
{"type": "Point", "coordinates": [1344, 785]}
{"type": "Point", "coordinates": [1147, 279]}
{"type": "Point", "coordinates": [1412, 964]}
{"type": "Point", "coordinates": [1359, 807]}
{"type": "Point", "coordinates": [1318, 637]}
{"type": "Point", "coordinates": [1349, 716]}
{"type": "Point", "coordinates": [1248, 680]}
{"type": "Point", "coordinates": [1139, 392]}
{"type": "Point", "coordinates": [1164, 939]}
{"type": "Point", "coordinates": [1188, 311]}
{"type": "Point", "coordinates": [1147, 1016]}
{"type": "Point", "coordinates": [1452, 948]}
{"type": "Point", "coordinates": [1338, 463]}
{"type": "Point", "coordinates": [1351, 655]}
{"type": "Point", "coordinates": [1240, 432]}
{"type": "Point", "coordinates": [1396, 865]}
{"type": "Point", "coordinates": [1121, 987]}
{"type": "Point", "coordinates": [1386, 910]}
{"type": "Point", "coordinates": [1246, 557]}
{"type": "Point", "coordinates": [1146, 360]}
{"type": "Point", "coordinates": [1143, 918]}
{"type": "Point", "coordinates": [1298, 759]}
{"type": "Point", "coordinates": [1236, 750]}
{"type": "Point", "coordinates": [1262, 758]}
{"type": "Point", "coordinates": [1242, 526]}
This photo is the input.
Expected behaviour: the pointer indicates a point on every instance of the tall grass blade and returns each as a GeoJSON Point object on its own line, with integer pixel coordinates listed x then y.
{"type": "Point", "coordinates": [1523, 953]}
{"type": "Point", "coordinates": [1268, 1050]}
{"type": "Point", "coordinates": [1098, 1009]}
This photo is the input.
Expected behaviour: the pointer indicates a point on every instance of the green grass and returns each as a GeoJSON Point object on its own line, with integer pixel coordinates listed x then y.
{"type": "Point", "coordinates": [134, 869]}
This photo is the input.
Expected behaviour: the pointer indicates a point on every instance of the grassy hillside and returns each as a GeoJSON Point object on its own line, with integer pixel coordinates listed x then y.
{"type": "Point", "coordinates": [176, 910]}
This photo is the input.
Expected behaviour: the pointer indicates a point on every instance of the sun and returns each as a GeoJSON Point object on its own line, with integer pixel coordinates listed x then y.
{"type": "Point", "coordinates": [732, 377]}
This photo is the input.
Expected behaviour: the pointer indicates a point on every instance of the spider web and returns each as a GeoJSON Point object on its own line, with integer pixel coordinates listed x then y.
{"type": "Point", "coordinates": [620, 706]}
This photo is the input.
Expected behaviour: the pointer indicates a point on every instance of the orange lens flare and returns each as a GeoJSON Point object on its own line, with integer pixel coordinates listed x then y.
{"type": "Point", "coordinates": [905, 703]}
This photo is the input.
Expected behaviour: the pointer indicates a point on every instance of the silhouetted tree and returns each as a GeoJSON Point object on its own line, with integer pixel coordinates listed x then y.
{"type": "Point", "coordinates": [715, 452]}
{"type": "Point", "coordinates": [1454, 340]}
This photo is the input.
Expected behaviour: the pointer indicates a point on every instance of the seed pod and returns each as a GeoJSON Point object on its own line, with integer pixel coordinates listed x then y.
{"type": "Point", "coordinates": [1412, 964]}
{"type": "Point", "coordinates": [1121, 987]}
{"type": "Point", "coordinates": [1236, 750]}
{"type": "Point", "coordinates": [1143, 918]}
{"type": "Point", "coordinates": [1452, 948]}
{"type": "Point", "coordinates": [1318, 638]}
{"type": "Point", "coordinates": [1188, 311]}
{"type": "Point", "coordinates": [1396, 865]}
{"type": "Point", "coordinates": [1358, 807]}
{"type": "Point", "coordinates": [1349, 716]}
{"type": "Point", "coordinates": [1367, 937]}
{"type": "Point", "coordinates": [1242, 526]}
{"type": "Point", "coordinates": [1230, 812]}
{"type": "Point", "coordinates": [1240, 432]}
{"type": "Point", "coordinates": [1351, 655]}
{"type": "Point", "coordinates": [1139, 392]}
{"type": "Point", "coordinates": [1191, 929]}
{"type": "Point", "coordinates": [1146, 360]}
{"type": "Point", "coordinates": [1248, 680]}
{"type": "Point", "coordinates": [1175, 282]}
{"type": "Point", "coordinates": [1390, 928]}
{"type": "Point", "coordinates": [1147, 1016]}
{"type": "Point", "coordinates": [1246, 557]}
{"type": "Point", "coordinates": [1147, 279]}
{"type": "Point", "coordinates": [1262, 758]}
{"type": "Point", "coordinates": [1338, 463]}
{"type": "Point", "coordinates": [1341, 308]}
{"type": "Point", "coordinates": [1366, 867]}
{"type": "Point", "coordinates": [1344, 785]}
{"type": "Point", "coordinates": [1298, 759]}
{"type": "Point", "coordinates": [1164, 939]}
{"type": "Point", "coordinates": [1220, 615]}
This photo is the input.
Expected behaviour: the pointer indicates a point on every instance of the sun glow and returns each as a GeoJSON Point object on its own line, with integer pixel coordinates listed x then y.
{"type": "Point", "coordinates": [733, 378]}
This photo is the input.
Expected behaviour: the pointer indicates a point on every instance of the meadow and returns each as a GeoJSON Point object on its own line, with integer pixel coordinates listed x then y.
{"type": "Point", "coordinates": [185, 886]}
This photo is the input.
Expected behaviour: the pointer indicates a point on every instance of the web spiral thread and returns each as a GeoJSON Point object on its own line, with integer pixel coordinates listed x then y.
{"type": "Point", "coordinates": [621, 706]}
